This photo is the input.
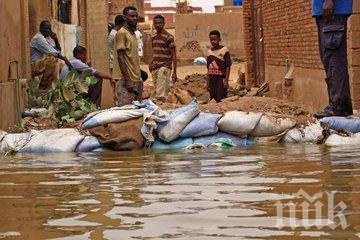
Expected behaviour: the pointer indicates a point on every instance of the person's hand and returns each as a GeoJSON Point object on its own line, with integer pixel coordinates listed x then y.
{"type": "Point", "coordinates": [53, 36]}
{"type": "Point", "coordinates": [328, 9]}
{"type": "Point", "coordinates": [112, 83]}
{"type": "Point", "coordinates": [226, 84]}
{"type": "Point", "coordinates": [129, 85]}
{"type": "Point", "coordinates": [69, 65]}
{"type": "Point", "coordinates": [174, 77]}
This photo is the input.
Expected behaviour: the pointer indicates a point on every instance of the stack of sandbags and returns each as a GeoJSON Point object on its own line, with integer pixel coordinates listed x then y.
{"type": "Point", "coordinates": [177, 121]}
{"type": "Point", "coordinates": [254, 124]}
{"type": "Point", "coordinates": [348, 126]}
{"type": "Point", "coordinates": [313, 133]}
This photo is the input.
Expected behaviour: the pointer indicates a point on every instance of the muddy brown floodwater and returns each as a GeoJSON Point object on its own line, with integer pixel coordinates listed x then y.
{"type": "Point", "coordinates": [246, 193]}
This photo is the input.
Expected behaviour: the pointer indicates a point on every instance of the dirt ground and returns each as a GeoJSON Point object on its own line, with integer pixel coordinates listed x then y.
{"type": "Point", "coordinates": [192, 79]}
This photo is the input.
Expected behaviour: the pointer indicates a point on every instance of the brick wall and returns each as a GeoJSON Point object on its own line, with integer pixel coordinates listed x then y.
{"type": "Point", "coordinates": [248, 42]}
{"type": "Point", "coordinates": [83, 23]}
{"type": "Point", "coordinates": [289, 32]}
{"type": "Point", "coordinates": [354, 54]}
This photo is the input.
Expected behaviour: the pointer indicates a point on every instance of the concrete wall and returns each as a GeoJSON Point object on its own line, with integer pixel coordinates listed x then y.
{"type": "Point", "coordinates": [97, 13]}
{"type": "Point", "coordinates": [13, 41]}
{"type": "Point", "coordinates": [39, 10]}
{"type": "Point", "coordinates": [307, 87]}
{"type": "Point", "coordinates": [192, 33]}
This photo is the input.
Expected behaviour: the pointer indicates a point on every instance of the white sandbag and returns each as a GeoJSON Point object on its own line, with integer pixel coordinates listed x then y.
{"type": "Point", "coordinates": [200, 61]}
{"type": "Point", "coordinates": [270, 126]}
{"type": "Point", "coordinates": [178, 120]}
{"type": "Point", "coordinates": [111, 115]}
{"type": "Point", "coordinates": [89, 144]}
{"type": "Point", "coordinates": [239, 123]}
{"type": "Point", "coordinates": [350, 124]}
{"type": "Point", "coordinates": [15, 141]}
{"type": "Point", "coordinates": [310, 134]}
{"type": "Point", "coordinates": [337, 140]}
{"type": "Point", "coordinates": [57, 140]}
{"type": "Point", "coordinates": [203, 124]}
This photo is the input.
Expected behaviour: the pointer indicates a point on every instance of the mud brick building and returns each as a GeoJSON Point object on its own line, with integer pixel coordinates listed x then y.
{"type": "Point", "coordinates": [281, 47]}
{"type": "Point", "coordinates": [75, 22]}
{"type": "Point", "coordinates": [116, 7]}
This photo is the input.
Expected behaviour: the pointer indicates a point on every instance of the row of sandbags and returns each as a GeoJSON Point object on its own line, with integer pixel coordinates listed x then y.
{"type": "Point", "coordinates": [145, 124]}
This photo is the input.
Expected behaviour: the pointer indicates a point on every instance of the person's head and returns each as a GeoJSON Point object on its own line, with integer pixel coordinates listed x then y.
{"type": "Point", "coordinates": [131, 16]}
{"type": "Point", "coordinates": [45, 28]}
{"type": "Point", "coordinates": [119, 21]}
{"type": "Point", "coordinates": [79, 52]}
{"type": "Point", "coordinates": [215, 38]}
{"type": "Point", "coordinates": [159, 23]}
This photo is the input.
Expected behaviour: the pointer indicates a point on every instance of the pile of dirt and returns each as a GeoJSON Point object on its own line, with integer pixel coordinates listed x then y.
{"type": "Point", "coordinates": [270, 106]}
{"type": "Point", "coordinates": [195, 84]}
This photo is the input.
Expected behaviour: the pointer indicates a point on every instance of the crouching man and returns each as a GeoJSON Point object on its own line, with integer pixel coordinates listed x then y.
{"type": "Point", "coordinates": [45, 52]}
{"type": "Point", "coordinates": [79, 64]}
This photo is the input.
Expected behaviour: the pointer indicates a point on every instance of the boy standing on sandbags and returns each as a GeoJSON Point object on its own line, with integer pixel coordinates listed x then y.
{"type": "Point", "coordinates": [218, 65]}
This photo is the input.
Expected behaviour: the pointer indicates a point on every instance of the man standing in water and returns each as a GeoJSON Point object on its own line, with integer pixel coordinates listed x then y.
{"type": "Point", "coordinates": [331, 19]}
{"type": "Point", "coordinates": [127, 69]}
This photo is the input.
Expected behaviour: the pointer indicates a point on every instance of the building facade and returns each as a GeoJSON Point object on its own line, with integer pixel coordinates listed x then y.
{"type": "Point", "coordinates": [281, 48]}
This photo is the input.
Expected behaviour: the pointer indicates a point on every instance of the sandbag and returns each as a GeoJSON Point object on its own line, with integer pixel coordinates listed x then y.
{"type": "Point", "coordinates": [351, 125]}
{"type": "Point", "coordinates": [208, 140]}
{"type": "Point", "coordinates": [90, 143]}
{"type": "Point", "coordinates": [200, 61]}
{"type": "Point", "coordinates": [177, 121]}
{"type": "Point", "coordinates": [112, 115]}
{"type": "Point", "coordinates": [239, 123]}
{"type": "Point", "coordinates": [270, 126]}
{"type": "Point", "coordinates": [337, 140]}
{"type": "Point", "coordinates": [180, 143]}
{"type": "Point", "coordinates": [309, 134]}
{"type": "Point", "coordinates": [15, 141]}
{"type": "Point", "coordinates": [56, 140]}
{"type": "Point", "coordinates": [121, 136]}
{"type": "Point", "coordinates": [202, 125]}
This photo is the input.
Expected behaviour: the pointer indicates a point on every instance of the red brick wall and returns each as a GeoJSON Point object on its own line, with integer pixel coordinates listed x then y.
{"type": "Point", "coordinates": [83, 23]}
{"type": "Point", "coordinates": [289, 33]}
{"type": "Point", "coordinates": [248, 42]}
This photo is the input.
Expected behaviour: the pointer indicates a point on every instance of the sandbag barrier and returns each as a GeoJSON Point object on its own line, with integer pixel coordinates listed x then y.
{"type": "Point", "coordinates": [146, 125]}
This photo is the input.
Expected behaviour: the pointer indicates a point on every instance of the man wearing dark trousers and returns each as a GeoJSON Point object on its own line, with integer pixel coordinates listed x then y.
{"type": "Point", "coordinates": [331, 19]}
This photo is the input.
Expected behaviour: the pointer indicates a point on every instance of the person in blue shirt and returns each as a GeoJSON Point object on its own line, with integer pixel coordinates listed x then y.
{"type": "Point", "coordinates": [80, 65]}
{"type": "Point", "coordinates": [331, 19]}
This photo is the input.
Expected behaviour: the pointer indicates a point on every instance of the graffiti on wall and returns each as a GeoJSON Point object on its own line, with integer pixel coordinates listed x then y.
{"type": "Point", "coordinates": [191, 46]}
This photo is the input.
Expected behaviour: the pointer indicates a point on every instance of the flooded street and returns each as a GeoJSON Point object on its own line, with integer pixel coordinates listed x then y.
{"type": "Point", "coordinates": [246, 193]}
